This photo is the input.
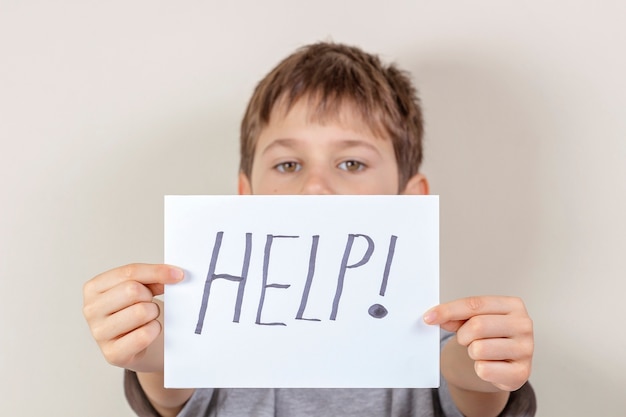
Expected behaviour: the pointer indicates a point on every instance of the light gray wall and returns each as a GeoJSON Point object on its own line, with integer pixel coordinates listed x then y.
{"type": "Point", "coordinates": [107, 106]}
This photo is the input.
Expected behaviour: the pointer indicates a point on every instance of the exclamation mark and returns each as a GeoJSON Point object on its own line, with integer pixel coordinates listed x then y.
{"type": "Point", "coordinates": [379, 311]}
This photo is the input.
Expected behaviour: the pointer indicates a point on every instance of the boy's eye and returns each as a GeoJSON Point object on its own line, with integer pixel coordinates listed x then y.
{"type": "Point", "coordinates": [288, 167]}
{"type": "Point", "coordinates": [352, 166]}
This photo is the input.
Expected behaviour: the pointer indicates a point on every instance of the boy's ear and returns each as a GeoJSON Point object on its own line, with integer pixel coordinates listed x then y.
{"type": "Point", "coordinates": [243, 185]}
{"type": "Point", "coordinates": [417, 185]}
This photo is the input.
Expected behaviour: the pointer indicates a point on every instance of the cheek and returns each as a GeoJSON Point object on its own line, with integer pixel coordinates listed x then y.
{"type": "Point", "coordinates": [387, 182]}
{"type": "Point", "coordinates": [265, 185]}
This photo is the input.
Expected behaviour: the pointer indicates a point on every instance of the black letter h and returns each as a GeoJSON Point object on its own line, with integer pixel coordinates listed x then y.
{"type": "Point", "coordinates": [212, 276]}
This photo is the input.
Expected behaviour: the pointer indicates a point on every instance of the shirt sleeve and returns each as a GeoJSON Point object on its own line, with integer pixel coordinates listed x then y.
{"type": "Point", "coordinates": [199, 404]}
{"type": "Point", "coordinates": [136, 397]}
{"type": "Point", "coordinates": [522, 403]}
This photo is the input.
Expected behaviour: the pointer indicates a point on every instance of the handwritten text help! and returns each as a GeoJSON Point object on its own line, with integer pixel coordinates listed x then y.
{"type": "Point", "coordinates": [302, 291]}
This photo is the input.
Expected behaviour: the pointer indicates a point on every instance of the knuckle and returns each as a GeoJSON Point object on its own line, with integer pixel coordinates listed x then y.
{"type": "Point", "coordinates": [133, 290]}
{"type": "Point", "coordinates": [145, 312]}
{"type": "Point", "coordinates": [526, 328]}
{"type": "Point", "coordinates": [523, 375]}
{"type": "Point", "coordinates": [128, 271]}
{"type": "Point", "coordinates": [98, 333]}
{"type": "Point", "coordinates": [473, 303]}
{"type": "Point", "coordinates": [517, 303]}
{"type": "Point", "coordinates": [88, 311]}
{"type": "Point", "coordinates": [471, 330]}
{"type": "Point", "coordinates": [476, 325]}
{"type": "Point", "coordinates": [528, 348]}
{"type": "Point", "coordinates": [520, 376]}
{"type": "Point", "coordinates": [462, 337]}
{"type": "Point", "coordinates": [466, 334]}
{"type": "Point", "coordinates": [113, 355]}
{"type": "Point", "coordinates": [145, 335]}
{"type": "Point", "coordinates": [88, 288]}
{"type": "Point", "coordinates": [139, 312]}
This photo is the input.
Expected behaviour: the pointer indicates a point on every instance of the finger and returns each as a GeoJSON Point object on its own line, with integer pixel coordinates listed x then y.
{"type": "Point", "coordinates": [115, 299]}
{"type": "Point", "coordinates": [507, 376]}
{"type": "Point", "coordinates": [500, 350]}
{"type": "Point", "coordinates": [125, 321]}
{"type": "Point", "coordinates": [147, 274]}
{"type": "Point", "coordinates": [124, 350]}
{"type": "Point", "coordinates": [465, 308]}
{"type": "Point", "coordinates": [451, 326]}
{"type": "Point", "coordinates": [493, 326]}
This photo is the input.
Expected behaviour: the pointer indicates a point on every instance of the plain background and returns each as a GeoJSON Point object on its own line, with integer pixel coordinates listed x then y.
{"type": "Point", "coordinates": [107, 106]}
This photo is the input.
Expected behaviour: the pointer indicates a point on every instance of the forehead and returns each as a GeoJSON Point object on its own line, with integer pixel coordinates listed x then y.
{"type": "Point", "coordinates": [342, 113]}
{"type": "Point", "coordinates": [300, 129]}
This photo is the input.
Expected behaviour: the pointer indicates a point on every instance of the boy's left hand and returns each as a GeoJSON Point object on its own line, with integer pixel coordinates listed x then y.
{"type": "Point", "coordinates": [497, 332]}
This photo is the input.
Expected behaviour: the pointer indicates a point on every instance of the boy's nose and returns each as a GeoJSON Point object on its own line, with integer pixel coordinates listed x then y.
{"type": "Point", "coordinates": [316, 184]}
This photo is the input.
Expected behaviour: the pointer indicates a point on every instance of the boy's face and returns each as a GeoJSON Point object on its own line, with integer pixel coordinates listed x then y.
{"type": "Point", "coordinates": [296, 155]}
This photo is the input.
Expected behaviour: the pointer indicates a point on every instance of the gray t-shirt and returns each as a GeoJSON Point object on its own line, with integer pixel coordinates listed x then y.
{"type": "Point", "coordinates": [315, 402]}
{"type": "Point", "coordinates": [275, 402]}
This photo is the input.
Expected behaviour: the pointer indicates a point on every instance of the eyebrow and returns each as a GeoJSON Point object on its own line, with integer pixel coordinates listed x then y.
{"type": "Point", "coordinates": [286, 143]}
{"type": "Point", "coordinates": [342, 144]}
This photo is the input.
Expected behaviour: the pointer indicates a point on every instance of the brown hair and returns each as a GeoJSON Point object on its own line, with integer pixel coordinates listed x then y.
{"type": "Point", "coordinates": [331, 75]}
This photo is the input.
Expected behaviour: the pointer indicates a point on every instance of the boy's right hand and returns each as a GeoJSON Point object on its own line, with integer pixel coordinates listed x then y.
{"type": "Point", "coordinates": [124, 318]}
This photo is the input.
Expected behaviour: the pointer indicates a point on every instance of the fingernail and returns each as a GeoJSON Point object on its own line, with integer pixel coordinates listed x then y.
{"type": "Point", "coordinates": [176, 274]}
{"type": "Point", "coordinates": [430, 316]}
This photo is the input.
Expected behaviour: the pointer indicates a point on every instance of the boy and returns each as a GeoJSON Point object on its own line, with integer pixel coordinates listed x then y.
{"type": "Point", "coordinates": [329, 119]}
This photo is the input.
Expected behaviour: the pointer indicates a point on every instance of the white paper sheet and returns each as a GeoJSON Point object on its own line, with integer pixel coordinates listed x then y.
{"type": "Point", "coordinates": [288, 291]}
